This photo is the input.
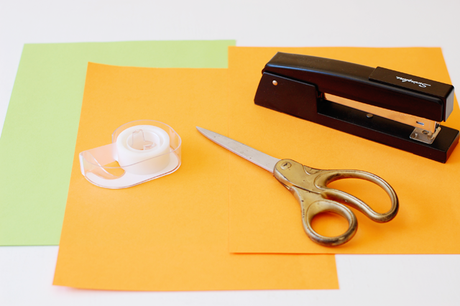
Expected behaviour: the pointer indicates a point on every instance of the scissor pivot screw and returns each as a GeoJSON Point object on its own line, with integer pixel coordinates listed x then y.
{"type": "Point", "coordinates": [286, 165]}
{"type": "Point", "coordinates": [275, 82]}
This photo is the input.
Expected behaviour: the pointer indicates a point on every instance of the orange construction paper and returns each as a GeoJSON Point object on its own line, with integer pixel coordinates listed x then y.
{"type": "Point", "coordinates": [171, 233]}
{"type": "Point", "coordinates": [265, 217]}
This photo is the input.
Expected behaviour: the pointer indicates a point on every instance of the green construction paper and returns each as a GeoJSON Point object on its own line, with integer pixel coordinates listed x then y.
{"type": "Point", "coordinates": [40, 129]}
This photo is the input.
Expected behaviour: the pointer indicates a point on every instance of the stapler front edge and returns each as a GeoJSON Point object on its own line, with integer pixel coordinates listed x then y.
{"type": "Point", "coordinates": [379, 104]}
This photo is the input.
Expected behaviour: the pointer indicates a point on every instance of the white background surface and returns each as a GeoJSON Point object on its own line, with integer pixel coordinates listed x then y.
{"type": "Point", "coordinates": [26, 273]}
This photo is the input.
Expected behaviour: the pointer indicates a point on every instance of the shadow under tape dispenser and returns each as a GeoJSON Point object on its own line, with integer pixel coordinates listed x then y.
{"type": "Point", "coordinates": [140, 151]}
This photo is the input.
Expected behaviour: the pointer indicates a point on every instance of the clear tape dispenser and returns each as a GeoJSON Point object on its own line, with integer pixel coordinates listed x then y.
{"type": "Point", "coordinates": [140, 151]}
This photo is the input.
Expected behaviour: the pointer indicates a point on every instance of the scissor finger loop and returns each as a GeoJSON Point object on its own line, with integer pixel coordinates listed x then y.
{"type": "Point", "coordinates": [324, 206]}
{"type": "Point", "coordinates": [324, 177]}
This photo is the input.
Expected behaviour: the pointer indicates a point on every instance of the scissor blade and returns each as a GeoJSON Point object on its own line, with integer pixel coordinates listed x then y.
{"type": "Point", "coordinates": [262, 160]}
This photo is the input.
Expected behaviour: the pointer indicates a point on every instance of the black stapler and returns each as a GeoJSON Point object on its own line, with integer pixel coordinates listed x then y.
{"type": "Point", "coordinates": [386, 106]}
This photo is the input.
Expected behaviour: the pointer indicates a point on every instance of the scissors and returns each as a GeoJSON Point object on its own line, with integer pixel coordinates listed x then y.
{"type": "Point", "coordinates": [309, 187]}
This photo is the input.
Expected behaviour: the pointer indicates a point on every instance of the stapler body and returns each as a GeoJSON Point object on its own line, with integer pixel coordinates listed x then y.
{"type": "Point", "coordinates": [386, 106]}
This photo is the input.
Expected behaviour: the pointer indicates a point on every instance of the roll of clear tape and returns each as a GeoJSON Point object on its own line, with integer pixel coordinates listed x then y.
{"type": "Point", "coordinates": [143, 149]}
{"type": "Point", "coordinates": [140, 151]}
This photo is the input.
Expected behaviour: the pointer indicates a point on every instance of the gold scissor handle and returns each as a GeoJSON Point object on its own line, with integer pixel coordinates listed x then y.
{"type": "Point", "coordinates": [309, 186]}
{"type": "Point", "coordinates": [324, 177]}
{"type": "Point", "coordinates": [309, 211]}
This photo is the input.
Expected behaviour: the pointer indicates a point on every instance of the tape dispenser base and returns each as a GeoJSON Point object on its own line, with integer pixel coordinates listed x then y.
{"type": "Point", "coordinates": [141, 151]}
